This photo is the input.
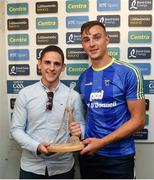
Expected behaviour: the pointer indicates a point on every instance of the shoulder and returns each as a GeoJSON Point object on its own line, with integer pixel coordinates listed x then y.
{"type": "Point", "coordinates": [64, 88]}
{"type": "Point", "coordinates": [125, 65]}
{"type": "Point", "coordinates": [30, 88]}
{"type": "Point", "coordinates": [85, 73]}
{"type": "Point", "coordinates": [126, 68]}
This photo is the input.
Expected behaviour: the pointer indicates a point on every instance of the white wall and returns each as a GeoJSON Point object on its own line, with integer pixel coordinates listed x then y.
{"type": "Point", "coordinates": [145, 161]}
{"type": "Point", "coordinates": [10, 151]}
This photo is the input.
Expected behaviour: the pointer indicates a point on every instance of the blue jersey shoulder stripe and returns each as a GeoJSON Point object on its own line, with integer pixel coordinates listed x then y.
{"type": "Point", "coordinates": [140, 91]}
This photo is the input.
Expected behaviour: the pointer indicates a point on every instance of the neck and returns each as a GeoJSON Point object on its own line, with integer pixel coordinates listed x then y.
{"type": "Point", "coordinates": [99, 63]}
{"type": "Point", "coordinates": [51, 86]}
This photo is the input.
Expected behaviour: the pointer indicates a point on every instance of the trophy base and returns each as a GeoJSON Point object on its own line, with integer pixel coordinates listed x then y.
{"type": "Point", "coordinates": [62, 148]}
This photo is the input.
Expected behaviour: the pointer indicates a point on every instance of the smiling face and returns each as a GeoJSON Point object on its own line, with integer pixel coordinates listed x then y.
{"type": "Point", "coordinates": [94, 42]}
{"type": "Point", "coordinates": [51, 66]}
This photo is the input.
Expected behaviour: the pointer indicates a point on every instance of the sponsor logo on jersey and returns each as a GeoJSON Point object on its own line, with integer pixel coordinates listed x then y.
{"type": "Point", "coordinates": [96, 95]}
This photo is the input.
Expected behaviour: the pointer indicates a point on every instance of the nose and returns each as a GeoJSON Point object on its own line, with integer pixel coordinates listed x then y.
{"type": "Point", "coordinates": [91, 42]}
{"type": "Point", "coordinates": [52, 66]}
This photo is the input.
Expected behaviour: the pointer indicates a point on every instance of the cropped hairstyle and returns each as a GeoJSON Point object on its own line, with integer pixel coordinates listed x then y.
{"type": "Point", "coordinates": [52, 48]}
{"type": "Point", "coordinates": [86, 26]}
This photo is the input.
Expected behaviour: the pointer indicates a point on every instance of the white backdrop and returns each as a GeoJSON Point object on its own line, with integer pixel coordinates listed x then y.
{"type": "Point", "coordinates": [91, 12]}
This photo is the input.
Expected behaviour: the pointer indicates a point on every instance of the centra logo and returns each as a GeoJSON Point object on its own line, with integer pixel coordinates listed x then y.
{"type": "Point", "coordinates": [96, 95]}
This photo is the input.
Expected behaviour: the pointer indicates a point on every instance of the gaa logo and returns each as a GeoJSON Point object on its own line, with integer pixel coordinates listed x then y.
{"type": "Point", "coordinates": [96, 95]}
{"type": "Point", "coordinates": [18, 86]}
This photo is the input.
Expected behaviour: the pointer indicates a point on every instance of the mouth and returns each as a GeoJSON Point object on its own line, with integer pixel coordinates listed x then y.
{"type": "Point", "coordinates": [93, 51]}
{"type": "Point", "coordinates": [51, 74]}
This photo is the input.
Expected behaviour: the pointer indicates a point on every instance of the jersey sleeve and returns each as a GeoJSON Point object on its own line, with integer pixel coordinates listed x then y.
{"type": "Point", "coordinates": [134, 81]}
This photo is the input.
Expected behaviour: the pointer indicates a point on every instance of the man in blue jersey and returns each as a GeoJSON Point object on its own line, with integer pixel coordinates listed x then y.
{"type": "Point", "coordinates": [112, 91]}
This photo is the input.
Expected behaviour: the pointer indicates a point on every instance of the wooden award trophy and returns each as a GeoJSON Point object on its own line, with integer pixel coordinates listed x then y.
{"type": "Point", "coordinates": [74, 145]}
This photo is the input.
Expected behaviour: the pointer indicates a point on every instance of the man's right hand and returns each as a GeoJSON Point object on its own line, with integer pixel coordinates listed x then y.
{"type": "Point", "coordinates": [42, 148]}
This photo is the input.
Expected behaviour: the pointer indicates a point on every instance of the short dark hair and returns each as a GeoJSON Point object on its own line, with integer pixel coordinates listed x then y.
{"type": "Point", "coordinates": [86, 26]}
{"type": "Point", "coordinates": [52, 49]}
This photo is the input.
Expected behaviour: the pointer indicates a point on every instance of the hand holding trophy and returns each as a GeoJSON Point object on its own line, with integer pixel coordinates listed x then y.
{"type": "Point", "coordinates": [74, 145]}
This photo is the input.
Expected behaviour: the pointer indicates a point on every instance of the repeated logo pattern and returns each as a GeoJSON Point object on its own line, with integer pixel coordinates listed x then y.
{"type": "Point", "coordinates": [32, 25]}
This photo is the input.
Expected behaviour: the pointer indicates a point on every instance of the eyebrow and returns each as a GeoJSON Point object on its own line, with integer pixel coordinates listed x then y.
{"type": "Point", "coordinates": [47, 60]}
{"type": "Point", "coordinates": [90, 35]}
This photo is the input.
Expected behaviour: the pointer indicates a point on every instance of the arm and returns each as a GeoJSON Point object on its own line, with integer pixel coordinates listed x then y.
{"type": "Point", "coordinates": [19, 125]}
{"type": "Point", "coordinates": [135, 123]}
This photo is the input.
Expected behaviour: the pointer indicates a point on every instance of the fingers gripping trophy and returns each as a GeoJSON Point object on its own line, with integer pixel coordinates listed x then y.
{"type": "Point", "coordinates": [74, 143]}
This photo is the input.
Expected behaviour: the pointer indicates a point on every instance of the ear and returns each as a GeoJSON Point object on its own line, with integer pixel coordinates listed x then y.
{"type": "Point", "coordinates": [107, 39]}
{"type": "Point", "coordinates": [39, 64]}
{"type": "Point", "coordinates": [63, 68]}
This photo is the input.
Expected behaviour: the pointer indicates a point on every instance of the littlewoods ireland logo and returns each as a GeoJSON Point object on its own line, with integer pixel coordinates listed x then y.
{"type": "Point", "coordinates": [136, 20]}
{"type": "Point", "coordinates": [76, 53]}
{"type": "Point", "coordinates": [46, 7]}
{"type": "Point", "coordinates": [46, 38]}
{"type": "Point", "coordinates": [17, 24]}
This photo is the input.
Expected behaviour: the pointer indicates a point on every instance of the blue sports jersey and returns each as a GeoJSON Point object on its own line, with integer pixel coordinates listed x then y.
{"type": "Point", "coordinates": [105, 93]}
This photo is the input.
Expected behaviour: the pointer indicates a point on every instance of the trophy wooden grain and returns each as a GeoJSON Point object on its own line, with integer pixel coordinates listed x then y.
{"type": "Point", "coordinates": [74, 145]}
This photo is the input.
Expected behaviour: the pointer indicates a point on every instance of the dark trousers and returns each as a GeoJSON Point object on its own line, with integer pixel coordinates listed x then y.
{"type": "Point", "coordinates": [100, 167]}
{"type": "Point", "coordinates": [30, 175]}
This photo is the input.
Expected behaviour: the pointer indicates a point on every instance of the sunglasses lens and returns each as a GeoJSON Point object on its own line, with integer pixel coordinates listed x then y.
{"type": "Point", "coordinates": [50, 101]}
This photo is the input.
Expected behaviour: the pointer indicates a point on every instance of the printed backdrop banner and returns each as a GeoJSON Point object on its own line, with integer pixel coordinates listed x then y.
{"type": "Point", "coordinates": [32, 25]}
